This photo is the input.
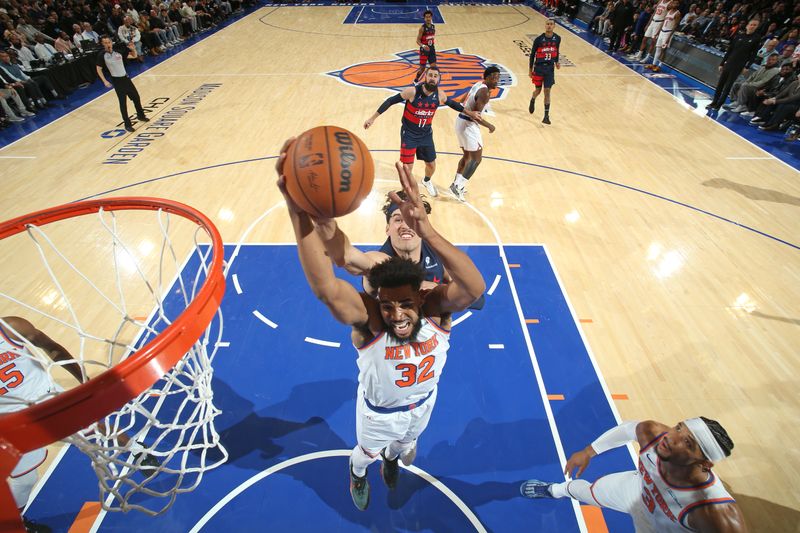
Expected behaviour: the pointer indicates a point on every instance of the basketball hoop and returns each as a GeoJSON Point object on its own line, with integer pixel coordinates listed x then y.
{"type": "Point", "coordinates": [144, 334]}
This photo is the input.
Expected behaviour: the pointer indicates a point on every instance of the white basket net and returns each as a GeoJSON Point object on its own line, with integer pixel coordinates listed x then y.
{"type": "Point", "coordinates": [102, 286]}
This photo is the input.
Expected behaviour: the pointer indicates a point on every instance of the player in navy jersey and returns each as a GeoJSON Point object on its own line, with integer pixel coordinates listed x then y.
{"type": "Point", "coordinates": [425, 40]}
{"type": "Point", "coordinates": [416, 133]}
{"type": "Point", "coordinates": [543, 62]}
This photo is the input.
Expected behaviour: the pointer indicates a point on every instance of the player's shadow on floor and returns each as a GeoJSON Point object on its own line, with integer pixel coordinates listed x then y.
{"type": "Point", "coordinates": [270, 433]}
{"type": "Point", "coordinates": [781, 518]}
{"type": "Point", "coordinates": [490, 447]}
{"type": "Point", "coordinates": [759, 194]}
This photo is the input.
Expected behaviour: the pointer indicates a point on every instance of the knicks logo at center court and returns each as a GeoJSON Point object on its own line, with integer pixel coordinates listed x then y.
{"type": "Point", "coordinates": [459, 72]}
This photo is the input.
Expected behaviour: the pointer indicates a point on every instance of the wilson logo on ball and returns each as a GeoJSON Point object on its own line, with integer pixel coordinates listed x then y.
{"type": "Point", "coordinates": [329, 171]}
{"type": "Point", "coordinates": [346, 159]}
{"type": "Point", "coordinates": [459, 72]}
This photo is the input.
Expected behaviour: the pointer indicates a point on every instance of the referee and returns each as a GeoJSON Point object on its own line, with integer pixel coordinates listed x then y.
{"type": "Point", "coordinates": [111, 62]}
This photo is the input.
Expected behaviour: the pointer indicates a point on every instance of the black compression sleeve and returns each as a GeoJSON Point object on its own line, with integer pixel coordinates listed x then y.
{"type": "Point", "coordinates": [396, 99]}
{"type": "Point", "coordinates": [452, 104]}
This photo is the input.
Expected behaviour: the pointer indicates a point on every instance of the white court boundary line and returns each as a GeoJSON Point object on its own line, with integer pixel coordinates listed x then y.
{"type": "Point", "coordinates": [333, 453]}
{"type": "Point", "coordinates": [536, 370]}
{"type": "Point", "coordinates": [320, 342]}
{"type": "Point", "coordinates": [40, 485]}
{"type": "Point", "coordinates": [596, 367]}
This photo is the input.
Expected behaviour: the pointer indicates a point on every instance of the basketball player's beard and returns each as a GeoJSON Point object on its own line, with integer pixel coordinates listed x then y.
{"type": "Point", "coordinates": [430, 87]}
{"type": "Point", "coordinates": [411, 338]}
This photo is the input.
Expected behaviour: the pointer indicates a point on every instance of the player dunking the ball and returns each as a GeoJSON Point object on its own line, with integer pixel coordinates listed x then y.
{"type": "Point", "coordinates": [401, 338]}
{"type": "Point", "coordinates": [544, 58]}
{"type": "Point", "coordinates": [416, 133]}
{"type": "Point", "coordinates": [425, 40]}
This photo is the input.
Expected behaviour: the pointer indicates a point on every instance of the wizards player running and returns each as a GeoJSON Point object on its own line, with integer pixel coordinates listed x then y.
{"type": "Point", "coordinates": [544, 55]}
{"type": "Point", "coordinates": [416, 133]}
{"type": "Point", "coordinates": [425, 38]}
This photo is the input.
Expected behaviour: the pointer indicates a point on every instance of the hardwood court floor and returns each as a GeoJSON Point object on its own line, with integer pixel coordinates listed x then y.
{"type": "Point", "coordinates": [676, 240]}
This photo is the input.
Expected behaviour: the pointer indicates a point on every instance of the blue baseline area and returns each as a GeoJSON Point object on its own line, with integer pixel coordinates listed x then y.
{"type": "Point", "coordinates": [391, 14]}
{"type": "Point", "coordinates": [282, 398]}
{"type": "Point", "coordinates": [691, 91]}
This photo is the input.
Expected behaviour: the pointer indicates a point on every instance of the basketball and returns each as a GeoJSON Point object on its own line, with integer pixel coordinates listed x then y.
{"type": "Point", "coordinates": [329, 171]}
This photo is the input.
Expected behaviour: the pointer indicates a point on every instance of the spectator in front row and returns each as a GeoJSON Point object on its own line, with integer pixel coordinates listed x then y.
{"type": "Point", "coordinates": [30, 89]}
{"type": "Point", "coordinates": [89, 33]}
{"type": "Point", "coordinates": [44, 51]}
{"type": "Point", "coordinates": [128, 33]}
{"type": "Point", "coordinates": [766, 50]}
{"type": "Point", "coordinates": [744, 90]}
{"type": "Point", "coordinates": [77, 36]}
{"type": "Point", "coordinates": [786, 77]}
{"type": "Point", "coordinates": [24, 54]}
{"type": "Point", "coordinates": [9, 95]}
{"type": "Point", "coordinates": [778, 111]}
{"type": "Point", "coordinates": [64, 44]}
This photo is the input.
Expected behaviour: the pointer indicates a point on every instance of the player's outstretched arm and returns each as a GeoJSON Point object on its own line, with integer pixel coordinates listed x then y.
{"type": "Point", "coordinates": [54, 351]}
{"type": "Point", "coordinates": [339, 296]}
{"type": "Point", "coordinates": [721, 518]}
{"type": "Point", "coordinates": [341, 251]}
{"type": "Point", "coordinates": [613, 438]}
{"type": "Point", "coordinates": [405, 94]}
{"type": "Point", "coordinates": [467, 285]}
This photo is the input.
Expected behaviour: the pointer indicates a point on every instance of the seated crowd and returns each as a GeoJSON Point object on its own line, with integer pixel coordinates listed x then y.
{"type": "Point", "coordinates": [769, 93]}
{"type": "Point", "coordinates": [38, 33]}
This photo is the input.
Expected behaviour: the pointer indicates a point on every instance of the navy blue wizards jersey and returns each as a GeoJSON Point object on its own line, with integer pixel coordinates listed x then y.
{"type": "Point", "coordinates": [428, 34]}
{"type": "Point", "coordinates": [434, 270]}
{"type": "Point", "coordinates": [418, 113]}
{"type": "Point", "coordinates": [544, 51]}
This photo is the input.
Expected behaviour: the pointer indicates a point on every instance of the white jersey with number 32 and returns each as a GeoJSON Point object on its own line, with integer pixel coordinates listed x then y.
{"type": "Point", "coordinates": [395, 374]}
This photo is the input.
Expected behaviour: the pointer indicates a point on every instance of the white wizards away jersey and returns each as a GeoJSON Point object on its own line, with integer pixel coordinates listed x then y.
{"type": "Point", "coordinates": [394, 374]}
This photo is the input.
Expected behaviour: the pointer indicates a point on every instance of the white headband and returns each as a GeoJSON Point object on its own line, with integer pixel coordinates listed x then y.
{"type": "Point", "coordinates": [708, 444]}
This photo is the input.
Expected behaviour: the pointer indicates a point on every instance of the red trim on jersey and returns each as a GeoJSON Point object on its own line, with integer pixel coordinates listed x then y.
{"type": "Point", "coordinates": [437, 326]}
{"type": "Point", "coordinates": [377, 337]}
{"type": "Point", "coordinates": [654, 441]}
{"type": "Point", "coordinates": [702, 503]}
{"type": "Point", "coordinates": [31, 469]}
{"type": "Point", "coordinates": [9, 339]}
{"type": "Point", "coordinates": [537, 80]}
{"type": "Point", "coordinates": [407, 155]}
{"type": "Point", "coordinates": [705, 484]}
{"type": "Point", "coordinates": [423, 58]}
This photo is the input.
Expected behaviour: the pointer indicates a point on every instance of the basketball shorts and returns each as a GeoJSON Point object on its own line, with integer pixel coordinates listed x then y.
{"type": "Point", "coordinates": [663, 39]}
{"type": "Point", "coordinates": [653, 29]}
{"type": "Point", "coordinates": [421, 147]}
{"type": "Point", "coordinates": [544, 75]}
{"type": "Point", "coordinates": [427, 56]}
{"type": "Point", "coordinates": [622, 491]}
{"type": "Point", "coordinates": [375, 431]}
{"type": "Point", "coordinates": [469, 135]}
